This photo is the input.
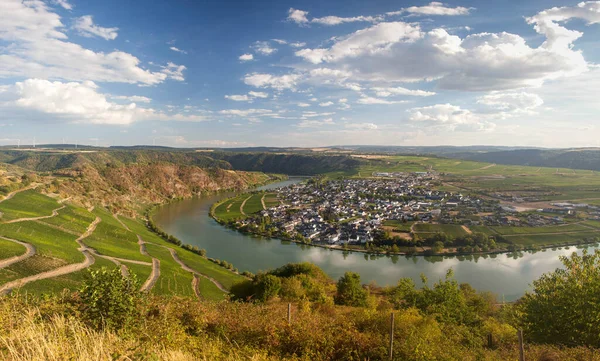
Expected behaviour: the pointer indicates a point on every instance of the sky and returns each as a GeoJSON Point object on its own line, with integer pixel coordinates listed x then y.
{"type": "Point", "coordinates": [186, 73]}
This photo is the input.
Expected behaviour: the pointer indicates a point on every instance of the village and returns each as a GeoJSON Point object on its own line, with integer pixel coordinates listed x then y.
{"type": "Point", "coordinates": [356, 211]}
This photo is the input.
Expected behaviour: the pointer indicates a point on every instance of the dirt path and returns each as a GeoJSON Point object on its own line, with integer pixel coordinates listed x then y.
{"type": "Point", "coordinates": [487, 166]}
{"type": "Point", "coordinates": [262, 201]}
{"type": "Point", "coordinates": [120, 221]}
{"type": "Point", "coordinates": [54, 214]}
{"type": "Point", "coordinates": [242, 206]}
{"type": "Point", "coordinates": [61, 271]}
{"type": "Point", "coordinates": [466, 229]}
{"type": "Point", "coordinates": [193, 271]}
{"type": "Point", "coordinates": [155, 275]}
{"type": "Point", "coordinates": [9, 261]}
{"type": "Point", "coordinates": [195, 286]}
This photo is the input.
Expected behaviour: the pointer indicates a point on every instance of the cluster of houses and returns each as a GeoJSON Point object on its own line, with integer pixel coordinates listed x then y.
{"type": "Point", "coordinates": [351, 211]}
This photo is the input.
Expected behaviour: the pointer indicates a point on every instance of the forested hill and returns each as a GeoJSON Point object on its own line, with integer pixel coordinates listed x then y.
{"type": "Point", "coordinates": [284, 163]}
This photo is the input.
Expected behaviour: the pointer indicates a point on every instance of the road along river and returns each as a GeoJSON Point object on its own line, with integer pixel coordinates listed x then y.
{"type": "Point", "coordinates": [506, 275]}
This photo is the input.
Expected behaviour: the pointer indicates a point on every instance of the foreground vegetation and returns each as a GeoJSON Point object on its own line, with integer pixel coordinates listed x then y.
{"type": "Point", "coordinates": [108, 319]}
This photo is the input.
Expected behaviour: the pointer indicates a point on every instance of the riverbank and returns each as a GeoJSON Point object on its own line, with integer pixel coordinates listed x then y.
{"type": "Point", "coordinates": [153, 227]}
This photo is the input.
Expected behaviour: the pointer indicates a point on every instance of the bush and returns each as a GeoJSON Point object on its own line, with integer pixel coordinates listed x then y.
{"type": "Point", "coordinates": [108, 300]}
{"type": "Point", "coordinates": [350, 292]}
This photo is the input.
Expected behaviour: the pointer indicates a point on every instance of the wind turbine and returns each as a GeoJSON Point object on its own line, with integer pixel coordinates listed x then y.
{"type": "Point", "coordinates": [34, 142]}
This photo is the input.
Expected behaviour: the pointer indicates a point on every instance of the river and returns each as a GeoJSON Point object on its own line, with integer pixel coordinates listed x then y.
{"type": "Point", "coordinates": [505, 275]}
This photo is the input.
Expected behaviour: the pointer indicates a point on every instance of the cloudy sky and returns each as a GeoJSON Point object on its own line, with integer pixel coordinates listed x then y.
{"type": "Point", "coordinates": [300, 73]}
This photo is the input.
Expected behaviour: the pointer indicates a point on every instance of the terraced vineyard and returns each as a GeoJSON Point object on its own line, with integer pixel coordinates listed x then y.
{"type": "Point", "coordinates": [54, 253]}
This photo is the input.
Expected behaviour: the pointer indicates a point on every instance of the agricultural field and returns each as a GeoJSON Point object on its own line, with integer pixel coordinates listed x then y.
{"type": "Point", "coordinates": [27, 204]}
{"type": "Point", "coordinates": [111, 239]}
{"type": "Point", "coordinates": [567, 228]}
{"type": "Point", "coordinates": [173, 279]}
{"type": "Point", "coordinates": [10, 249]}
{"type": "Point", "coordinates": [271, 200]}
{"type": "Point", "coordinates": [548, 184]}
{"type": "Point", "coordinates": [254, 204]}
{"type": "Point", "coordinates": [551, 238]}
{"type": "Point", "coordinates": [452, 230]}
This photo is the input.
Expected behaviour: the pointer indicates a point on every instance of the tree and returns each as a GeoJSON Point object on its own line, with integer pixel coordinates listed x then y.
{"type": "Point", "coordinates": [108, 299]}
{"type": "Point", "coordinates": [564, 306]}
{"type": "Point", "coordinates": [267, 287]}
{"type": "Point", "coordinates": [350, 292]}
{"type": "Point", "coordinates": [438, 247]}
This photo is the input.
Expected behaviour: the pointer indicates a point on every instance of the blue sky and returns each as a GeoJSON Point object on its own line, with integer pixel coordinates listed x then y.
{"type": "Point", "coordinates": [309, 73]}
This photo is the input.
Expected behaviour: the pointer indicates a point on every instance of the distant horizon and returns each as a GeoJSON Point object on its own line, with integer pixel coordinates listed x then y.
{"type": "Point", "coordinates": [58, 145]}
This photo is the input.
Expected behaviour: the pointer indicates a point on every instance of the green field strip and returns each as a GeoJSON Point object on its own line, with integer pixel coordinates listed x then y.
{"type": "Point", "coordinates": [173, 279]}
{"type": "Point", "coordinates": [536, 230]}
{"type": "Point", "coordinates": [254, 204]}
{"type": "Point", "coordinates": [10, 249]}
{"type": "Point", "coordinates": [27, 204]}
{"type": "Point", "coordinates": [48, 241]}
{"type": "Point", "coordinates": [208, 268]}
{"type": "Point", "coordinates": [71, 281]}
{"type": "Point", "coordinates": [548, 240]}
{"type": "Point", "coordinates": [452, 230]}
{"type": "Point", "coordinates": [111, 239]}
{"type": "Point", "coordinates": [209, 291]}
{"type": "Point", "coordinates": [72, 219]}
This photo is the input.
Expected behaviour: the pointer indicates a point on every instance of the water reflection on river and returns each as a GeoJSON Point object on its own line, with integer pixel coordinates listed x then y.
{"type": "Point", "coordinates": [508, 276]}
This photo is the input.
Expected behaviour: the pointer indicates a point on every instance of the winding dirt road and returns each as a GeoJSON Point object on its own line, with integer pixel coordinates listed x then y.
{"type": "Point", "coordinates": [262, 201]}
{"type": "Point", "coordinates": [54, 214]}
{"type": "Point", "coordinates": [153, 278]}
{"type": "Point", "coordinates": [61, 271]}
{"type": "Point", "coordinates": [193, 271]}
{"type": "Point", "coordinates": [30, 251]}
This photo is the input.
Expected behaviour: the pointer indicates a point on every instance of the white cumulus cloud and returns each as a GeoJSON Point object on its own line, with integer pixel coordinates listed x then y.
{"type": "Point", "coordinates": [86, 27]}
{"type": "Point", "coordinates": [246, 57]}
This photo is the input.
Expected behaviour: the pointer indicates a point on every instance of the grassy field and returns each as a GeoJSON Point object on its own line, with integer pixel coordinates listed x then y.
{"type": "Point", "coordinates": [452, 230]}
{"type": "Point", "coordinates": [550, 239]}
{"type": "Point", "coordinates": [206, 267]}
{"type": "Point", "coordinates": [535, 230]}
{"type": "Point", "coordinates": [72, 219]}
{"type": "Point", "coordinates": [48, 241]}
{"type": "Point", "coordinates": [399, 225]}
{"type": "Point", "coordinates": [27, 204]}
{"type": "Point", "coordinates": [173, 280]}
{"type": "Point", "coordinates": [111, 239]}
{"type": "Point", "coordinates": [209, 290]}
{"type": "Point", "coordinates": [551, 184]}
{"type": "Point", "coordinates": [70, 282]}
{"type": "Point", "coordinates": [254, 205]}
{"type": "Point", "coordinates": [10, 249]}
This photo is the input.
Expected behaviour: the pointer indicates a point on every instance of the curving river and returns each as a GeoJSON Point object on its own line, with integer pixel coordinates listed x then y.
{"type": "Point", "coordinates": [505, 275]}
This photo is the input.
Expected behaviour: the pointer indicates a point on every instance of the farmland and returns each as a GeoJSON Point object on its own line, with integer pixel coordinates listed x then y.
{"type": "Point", "coordinates": [113, 241]}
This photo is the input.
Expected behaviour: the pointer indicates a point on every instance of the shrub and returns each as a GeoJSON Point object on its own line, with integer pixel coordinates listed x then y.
{"type": "Point", "coordinates": [350, 292]}
{"type": "Point", "coordinates": [108, 300]}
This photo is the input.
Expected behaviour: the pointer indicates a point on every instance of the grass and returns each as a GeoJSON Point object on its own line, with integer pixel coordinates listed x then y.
{"type": "Point", "coordinates": [10, 249]}
{"type": "Point", "coordinates": [452, 230]}
{"type": "Point", "coordinates": [206, 267]}
{"type": "Point", "coordinates": [72, 219]}
{"type": "Point", "coordinates": [27, 204]}
{"type": "Point", "coordinates": [399, 225]}
{"type": "Point", "coordinates": [71, 281]}
{"type": "Point", "coordinates": [48, 241]}
{"type": "Point", "coordinates": [173, 280]}
{"type": "Point", "coordinates": [230, 209]}
{"type": "Point", "coordinates": [254, 205]}
{"type": "Point", "coordinates": [550, 239]}
{"type": "Point", "coordinates": [209, 290]}
{"type": "Point", "coordinates": [534, 230]}
{"type": "Point", "coordinates": [111, 239]}
{"type": "Point", "coordinates": [482, 229]}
